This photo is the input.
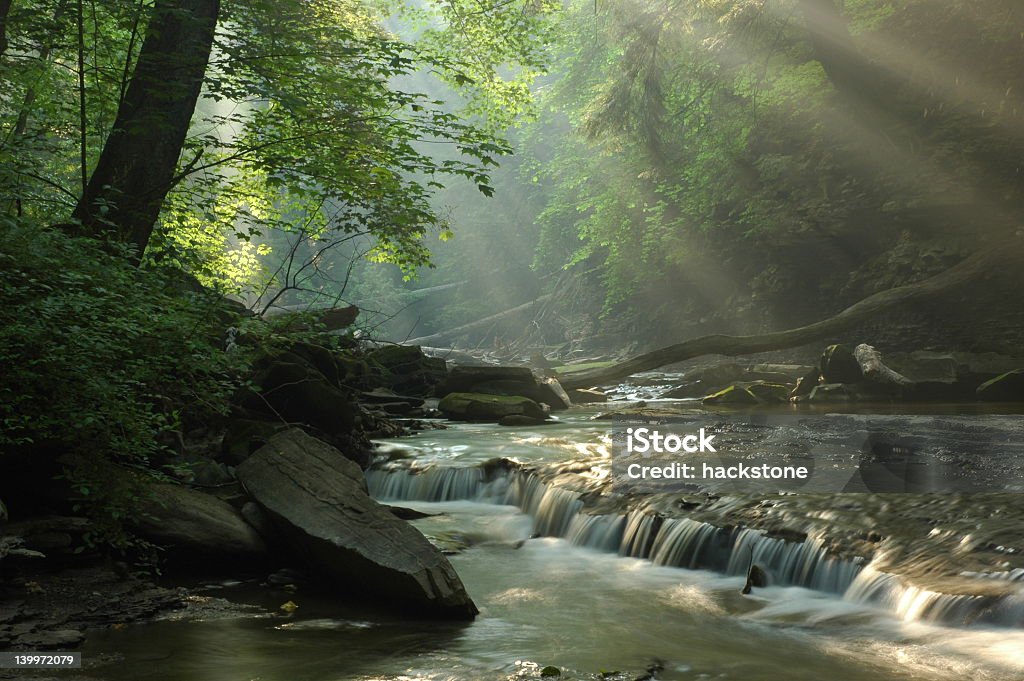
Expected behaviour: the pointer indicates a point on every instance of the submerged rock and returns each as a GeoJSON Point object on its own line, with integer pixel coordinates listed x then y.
{"type": "Point", "coordinates": [481, 407]}
{"type": "Point", "coordinates": [318, 504]}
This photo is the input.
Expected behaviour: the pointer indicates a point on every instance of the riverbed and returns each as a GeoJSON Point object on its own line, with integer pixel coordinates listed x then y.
{"type": "Point", "coordinates": [564, 601]}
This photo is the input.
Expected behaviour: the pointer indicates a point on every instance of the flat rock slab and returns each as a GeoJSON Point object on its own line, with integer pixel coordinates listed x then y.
{"type": "Point", "coordinates": [485, 407]}
{"type": "Point", "coordinates": [317, 501]}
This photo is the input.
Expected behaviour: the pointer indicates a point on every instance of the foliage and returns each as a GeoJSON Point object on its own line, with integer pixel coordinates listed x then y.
{"type": "Point", "coordinates": [711, 131]}
{"type": "Point", "coordinates": [102, 362]}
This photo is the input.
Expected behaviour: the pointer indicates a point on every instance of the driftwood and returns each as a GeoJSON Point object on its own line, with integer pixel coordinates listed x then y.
{"type": "Point", "coordinates": [732, 346]}
{"type": "Point", "coordinates": [478, 324]}
{"type": "Point", "coordinates": [874, 369]}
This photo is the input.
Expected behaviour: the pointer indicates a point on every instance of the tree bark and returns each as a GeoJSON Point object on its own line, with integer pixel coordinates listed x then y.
{"type": "Point", "coordinates": [137, 165]}
{"type": "Point", "coordinates": [875, 370]}
{"type": "Point", "coordinates": [5, 9]}
{"type": "Point", "coordinates": [732, 346]}
{"type": "Point", "coordinates": [856, 78]}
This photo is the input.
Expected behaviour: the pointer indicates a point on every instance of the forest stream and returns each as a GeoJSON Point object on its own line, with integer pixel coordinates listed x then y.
{"type": "Point", "coordinates": [558, 588]}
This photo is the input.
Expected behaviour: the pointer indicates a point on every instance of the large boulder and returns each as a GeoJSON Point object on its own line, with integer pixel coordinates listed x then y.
{"type": "Point", "coordinates": [510, 381]}
{"type": "Point", "coordinates": [462, 379]}
{"type": "Point", "coordinates": [194, 525]}
{"type": "Point", "coordinates": [405, 369]}
{"type": "Point", "coordinates": [482, 407]}
{"type": "Point", "coordinates": [293, 389]}
{"type": "Point", "coordinates": [316, 500]}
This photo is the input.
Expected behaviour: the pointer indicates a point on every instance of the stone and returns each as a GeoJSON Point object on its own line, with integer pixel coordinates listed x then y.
{"type": "Point", "coordinates": [511, 381]}
{"type": "Point", "coordinates": [838, 365]}
{"type": "Point", "coordinates": [481, 407]}
{"type": "Point", "coordinates": [922, 366]}
{"type": "Point", "coordinates": [255, 516]}
{"type": "Point", "coordinates": [317, 501]}
{"type": "Point", "coordinates": [406, 370]}
{"type": "Point", "coordinates": [195, 525]}
{"type": "Point", "coordinates": [755, 578]}
{"type": "Point", "coordinates": [806, 384]}
{"type": "Point", "coordinates": [1008, 387]}
{"type": "Point", "coordinates": [463, 378]}
{"type": "Point", "coordinates": [293, 390]}
{"type": "Point", "coordinates": [733, 395]}
{"type": "Point", "coordinates": [716, 374]}
{"type": "Point", "coordinates": [57, 639]}
{"type": "Point", "coordinates": [385, 396]}
{"type": "Point", "coordinates": [245, 436]}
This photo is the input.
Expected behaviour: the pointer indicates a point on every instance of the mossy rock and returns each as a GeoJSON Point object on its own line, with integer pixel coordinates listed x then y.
{"type": "Point", "coordinates": [733, 395]}
{"type": "Point", "coordinates": [1008, 387]}
{"type": "Point", "coordinates": [550, 671]}
{"type": "Point", "coordinates": [481, 407]}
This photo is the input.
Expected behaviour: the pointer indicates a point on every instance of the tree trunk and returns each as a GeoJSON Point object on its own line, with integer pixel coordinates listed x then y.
{"type": "Point", "coordinates": [5, 9]}
{"type": "Point", "coordinates": [857, 79]}
{"type": "Point", "coordinates": [137, 165]}
{"type": "Point", "coordinates": [856, 314]}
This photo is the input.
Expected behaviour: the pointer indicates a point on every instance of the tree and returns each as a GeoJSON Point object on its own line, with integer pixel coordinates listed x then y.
{"type": "Point", "coordinates": [5, 9]}
{"type": "Point", "coordinates": [136, 168]}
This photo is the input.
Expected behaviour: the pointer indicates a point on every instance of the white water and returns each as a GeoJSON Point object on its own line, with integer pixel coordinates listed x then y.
{"type": "Point", "coordinates": [830, 590]}
{"type": "Point", "coordinates": [592, 593]}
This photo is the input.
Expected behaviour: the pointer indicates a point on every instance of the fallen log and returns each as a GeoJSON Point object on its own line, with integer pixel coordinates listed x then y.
{"type": "Point", "coordinates": [478, 324]}
{"type": "Point", "coordinates": [733, 346]}
{"type": "Point", "coordinates": [875, 370]}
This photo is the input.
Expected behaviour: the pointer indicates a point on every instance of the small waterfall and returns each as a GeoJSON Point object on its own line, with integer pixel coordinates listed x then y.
{"type": "Point", "coordinates": [805, 563]}
{"type": "Point", "coordinates": [687, 543]}
{"type": "Point", "coordinates": [436, 483]}
{"type": "Point", "coordinates": [601, 532]}
{"type": "Point", "coordinates": [640, 533]}
{"type": "Point", "coordinates": [556, 511]}
{"type": "Point", "coordinates": [691, 544]}
{"type": "Point", "coordinates": [912, 603]}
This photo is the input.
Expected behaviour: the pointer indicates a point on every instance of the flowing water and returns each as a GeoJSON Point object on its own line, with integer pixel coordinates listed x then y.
{"type": "Point", "coordinates": [590, 594]}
